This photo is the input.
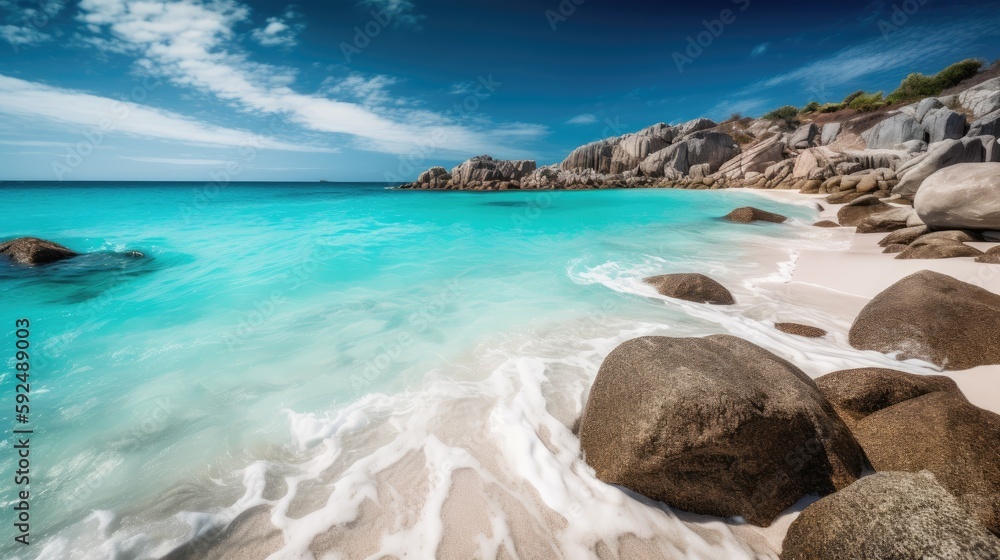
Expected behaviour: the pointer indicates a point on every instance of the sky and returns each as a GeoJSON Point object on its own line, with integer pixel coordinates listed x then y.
{"type": "Point", "coordinates": [380, 90]}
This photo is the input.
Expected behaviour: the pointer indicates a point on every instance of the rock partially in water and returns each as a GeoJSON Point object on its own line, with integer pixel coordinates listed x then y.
{"type": "Point", "coordinates": [32, 251]}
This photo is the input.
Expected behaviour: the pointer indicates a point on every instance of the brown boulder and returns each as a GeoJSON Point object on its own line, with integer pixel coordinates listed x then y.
{"type": "Point", "coordinates": [749, 214]}
{"type": "Point", "coordinates": [860, 209]}
{"type": "Point", "coordinates": [858, 393]}
{"type": "Point", "coordinates": [904, 236]}
{"type": "Point", "coordinates": [943, 433]}
{"type": "Point", "coordinates": [938, 248]}
{"type": "Point", "coordinates": [895, 249]}
{"type": "Point", "coordinates": [889, 516]}
{"type": "Point", "coordinates": [932, 317]}
{"type": "Point", "coordinates": [692, 287]}
{"type": "Point", "coordinates": [990, 257]}
{"type": "Point", "coordinates": [843, 197]}
{"type": "Point", "coordinates": [715, 425]}
{"type": "Point", "coordinates": [31, 251]}
{"type": "Point", "coordinates": [800, 330]}
{"type": "Point", "coordinates": [826, 224]}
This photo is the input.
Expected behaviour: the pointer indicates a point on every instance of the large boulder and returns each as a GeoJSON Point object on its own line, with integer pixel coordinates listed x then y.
{"type": "Point", "coordinates": [938, 249]}
{"type": "Point", "coordinates": [860, 209]}
{"type": "Point", "coordinates": [749, 214]}
{"type": "Point", "coordinates": [31, 251]}
{"type": "Point", "coordinates": [485, 168]}
{"type": "Point", "coordinates": [926, 106]}
{"type": "Point", "coordinates": [432, 174]}
{"type": "Point", "coordinates": [858, 393]}
{"type": "Point", "coordinates": [632, 149]}
{"type": "Point", "coordinates": [596, 156]}
{"type": "Point", "coordinates": [714, 425]}
{"type": "Point", "coordinates": [695, 125]}
{"type": "Point", "coordinates": [756, 158]}
{"type": "Point", "coordinates": [988, 125]}
{"type": "Point", "coordinates": [943, 433]}
{"type": "Point", "coordinates": [933, 317]}
{"type": "Point", "coordinates": [804, 136]}
{"type": "Point", "coordinates": [982, 99]}
{"type": "Point", "coordinates": [943, 154]}
{"type": "Point", "coordinates": [692, 287]}
{"type": "Point", "coordinates": [892, 131]}
{"type": "Point", "coordinates": [816, 162]}
{"type": "Point", "coordinates": [830, 133]}
{"type": "Point", "coordinates": [964, 196]}
{"type": "Point", "coordinates": [889, 516]}
{"type": "Point", "coordinates": [944, 124]}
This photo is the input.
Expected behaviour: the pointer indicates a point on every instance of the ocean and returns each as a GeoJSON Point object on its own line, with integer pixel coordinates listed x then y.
{"type": "Point", "coordinates": [337, 370]}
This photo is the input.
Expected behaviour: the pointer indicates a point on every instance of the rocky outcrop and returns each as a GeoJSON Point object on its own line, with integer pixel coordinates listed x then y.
{"type": "Point", "coordinates": [943, 433]}
{"type": "Point", "coordinates": [756, 158]}
{"type": "Point", "coordinates": [892, 131]}
{"type": "Point", "coordinates": [889, 515]}
{"type": "Point", "coordinates": [692, 287]}
{"type": "Point", "coordinates": [713, 148]}
{"type": "Point", "coordinates": [943, 124]}
{"type": "Point", "coordinates": [933, 317]}
{"type": "Point", "coordinates": [988, 125]}
{"type": "Point", "coordinates": [714, 425]}
{"type": "Point", "coordinates": [595, 156]}
{"type": "Point", "coordinates": [749, 214]}
{"type": "Point", "coordinates": [964, 196]}
{"type": "Point", "coordinates": [943, 154]}
{"type": "Point", "coordinates": [434, 177]}
{"type": "Point", "coordinates": [31, 251]}
{"type": "Point", "coordinates": [632, 150]}
{"type": "Point", "coordinates": [485, 168]}
{"type": "Point", "coordinates": [982, 99]}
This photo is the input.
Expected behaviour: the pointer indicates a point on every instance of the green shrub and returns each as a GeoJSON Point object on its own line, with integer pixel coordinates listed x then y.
{"type": "Point", "coordinates": [812, 107]}
{"type": "Point", "coordinates": [958, 73]}
{"type": "Point", "coordinates": [786, 113]}
{"type": "Point", "coordinates": [831, 107]}
{"type": "Point", "coordinates": [867, 102]}
{"type": "Point", "coordinates": [847, 100]}
{"type": "Point", "coordinates": [918, 86]}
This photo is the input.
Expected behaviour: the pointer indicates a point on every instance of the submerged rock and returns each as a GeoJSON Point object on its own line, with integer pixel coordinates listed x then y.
{"type": "Point", "coordinates": [31, 251]}
{"type": "Point", "coordinates": [800, 330]}
{"type": "Point", "coordinates": [889, 515]}
{"type": "Point", "coordinates": [934, 317]}
{"type": "Point", "coordinates": [692, 287]}
{"type": "Point", "coordinates": [714, 425]}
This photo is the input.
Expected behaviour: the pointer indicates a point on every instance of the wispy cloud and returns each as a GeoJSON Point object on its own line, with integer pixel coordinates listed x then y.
{"type": "Point", "coordinates": [24, 23]}
{"type": "Point", "coordinates": [103, 115]}
{"type": "Point", "coordinates": [583, 119]}
{"type": "Point", "coordinates": [22, 35]}
{"type": "Point", "coordinates": [282, 32]}
{"type": "Point", "coordinates": [760, 49]}
{"type": "Point", "coordinates": [400, 11]}
{"type": "Point", "coordinates": [371, 92]}
{"type": "Point", "coordinates": [191, 44]}
{"type": "Point", "coordinates": [175, 161]}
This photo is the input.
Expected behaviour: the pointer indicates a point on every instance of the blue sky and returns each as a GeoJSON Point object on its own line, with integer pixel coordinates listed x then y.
{"type": "Point", "coordinates": [382, 89]}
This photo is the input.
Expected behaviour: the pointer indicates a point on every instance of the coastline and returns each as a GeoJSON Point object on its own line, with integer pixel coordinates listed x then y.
{"type": "Point", "coordinates": [842, 281]}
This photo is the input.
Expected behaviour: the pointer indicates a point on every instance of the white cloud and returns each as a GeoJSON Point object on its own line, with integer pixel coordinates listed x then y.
{"type": "Point", "coordinates": [95, 115]}
{"type": "Point", "coordinates": [188, 42]}
{"type": "Point", "coordinates": [399, 11]}
{"type": "Point", "coordinates": [585, 118]}
{"type": "Point", "coordinates": [22, 35]}
{"type": "Point", "coordinates": [282, 32]}
{"type": "Point", "coordinates": [760, 49]}
{"type": "Point", "coordinates": [176, 161]}
{"type": "Point", "coordinates": [371, 92]}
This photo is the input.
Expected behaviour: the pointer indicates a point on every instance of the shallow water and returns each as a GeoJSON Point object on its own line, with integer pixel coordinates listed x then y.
{"type": "Point", "coordinates": [360, 368]}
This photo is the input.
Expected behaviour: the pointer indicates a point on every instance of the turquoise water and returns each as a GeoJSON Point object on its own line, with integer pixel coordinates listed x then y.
{"type": "Point", "coordinates": [158, 381]}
